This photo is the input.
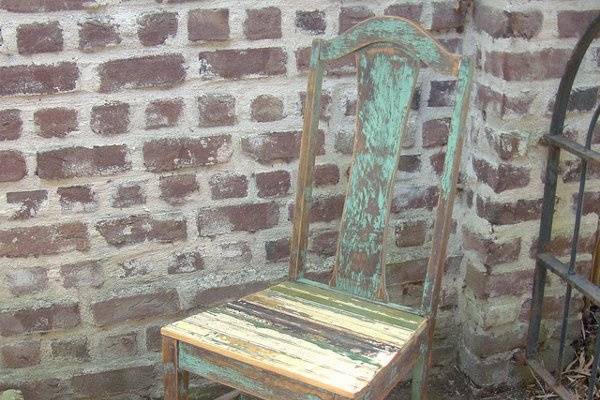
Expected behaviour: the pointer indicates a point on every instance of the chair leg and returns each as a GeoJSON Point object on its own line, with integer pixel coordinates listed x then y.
{"type": "Point", "coordinates": [420, 375]}
{"type": "Point", "coordinates": [175, 380]}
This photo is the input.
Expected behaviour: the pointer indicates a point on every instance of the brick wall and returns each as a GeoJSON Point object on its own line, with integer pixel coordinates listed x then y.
{"type": "Point", "coordinates": [148, 155]}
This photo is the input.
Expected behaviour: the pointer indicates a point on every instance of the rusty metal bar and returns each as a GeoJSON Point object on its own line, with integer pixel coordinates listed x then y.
{"type": "Point", "coordinates": [561, 269]}
{"type": "Point", "coordinates": [573, 148]}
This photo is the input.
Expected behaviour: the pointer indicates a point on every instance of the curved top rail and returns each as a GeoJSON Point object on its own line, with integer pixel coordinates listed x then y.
{"type": "Point", "coordinates": [407, 35]}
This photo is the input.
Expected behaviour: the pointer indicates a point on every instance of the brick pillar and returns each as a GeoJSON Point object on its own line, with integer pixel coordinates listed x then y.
{"type": "Point", "coordinates": [521, 52]}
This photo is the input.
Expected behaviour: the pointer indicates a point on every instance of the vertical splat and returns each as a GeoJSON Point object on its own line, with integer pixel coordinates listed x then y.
{"type": "Point", "coordinates": [386, 81]}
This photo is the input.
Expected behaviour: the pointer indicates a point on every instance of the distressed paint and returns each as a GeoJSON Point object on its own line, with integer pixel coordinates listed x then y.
{"type": "Point", "coordinates": [306, 165]}
{"type": "Point", "coordinates": [336, 343]}
{"type": "Point", "coordinates": [386, 81]}
{"type": "Point", "coordinates": [410, 37]}
{"type": "Point", "coordinates": [306, 341]}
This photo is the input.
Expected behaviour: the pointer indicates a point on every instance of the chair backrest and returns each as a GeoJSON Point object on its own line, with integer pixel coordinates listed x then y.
{"type": "Point", "coordinates": [389, 52]}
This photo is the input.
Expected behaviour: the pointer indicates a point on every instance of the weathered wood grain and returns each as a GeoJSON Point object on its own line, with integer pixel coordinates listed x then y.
{"type": "Point", "coordinates": [386, 81]}
{"type": "Point", "coordinates": [175, 379]}
{"type": "Point", "coordinates": [416, 42]}
{"type": "Point", "coordinates": [334, 342]}
{"type": "Point", "coordinates": [306, 165]}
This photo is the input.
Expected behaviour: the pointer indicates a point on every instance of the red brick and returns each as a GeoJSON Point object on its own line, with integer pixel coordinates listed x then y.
{"type": "Point", "coordinates": [216, 110]}
{"type": "Point", "coordinates": [38, 79]}
{"type": "Point", "coordinates": [40, 319]}
{"type": "Point", "coordinates": [499, 213]}
{"type": "Point", "coordinates": [506, 145]}
{"type": "Point", "coordinates": [533, 66]}
{"type": "Point", "coordinates": [326, 174]}
{"type": "Point", "coordinates": [11, 125]}
{"type": "Point", "coordinates": [55, 122]}
{"type": "Point", "coordinates": [106, 384]}
{"type": "Point", "coordinates": [441, 93]}
{"type": "Point", "coordinates": [591, 202]}
{"type": "Point", "coordinates": [572, 23]}
{"type": "Point", "coordinates": [175, 189]}
{"type": "Point", "coordinates": [110, 118]}
{"type": "Point", "coordinates": [324, 243]}
{"type": "Point", "coordinates": [129, 195]}
{"type": "Point", "coordinates": [85, 274]}
{"type": "Point", "coordinates": [581, 99]}
{"type": "Point", "coordinates": [121, 345]}
{"type": "Point", "coordinates": [135, 307]}
{"type": "Point", "coordinates": [162, 71]}
{"type": "Point", "coordinates": [263, 23]}
{"type": "Point", "coordinates": [408, 198]}
{"type": "Point", "coordinates": [274, 183]}
{"type": "Point", "coordinates": [410, 11]}
{"type": "Point", "coordinates": [447, 16]}
{"type": "Point", "coordinates": [437, 161]}
{"type": "Point", "coordinates": [266, 108]}
{"type": "Point", "coordinates": [134, 229]}
{"type": "Point", "coordinates": [39, 38]}
{"type": "Point", "coordinates": [153, 339]}
{"type": "Point", "coordinates": [71, 350]}
{"type": "Point", "coordinates": [30, 202]}
{"type": "Point", "coordinates": [484, 344]}
{"type": "Point", "coordinates": [311, 21]}
{"type": "Point", "coordinates": [323, 209]}
{"type": "Point", "coordinates": [507, 24]}
{"type": "Point", "coordinates": [208, 25]}
{"type": "Point", "coordinates": [43, 240]}
{"type": "Point", "coordinates": [410, 233]}
{"type": "Point", "coordinates": [190, 261]}
{"type": "Point", "coordinates": [163, 113]}
{"type": "Point", "coordinates": [501, 104]}
{"type": "Point", "coordinates": [155, 29]}
{"type": "Point", "coordinates": [95, 34]}
{"type": "Point", "coordinates": [228, 186]}
{"type": "Point", "coordinates": [435, 132]}
{"type": "Point", "coordinates": [491, 251]}
{"type": "Point", "coordinates": [409, 163]}
{"type": "Point", "coordinates": [277, 250]}
{"type": "Point", "coordinates": [571, 170]}
{"type": "Point", "coordinates": [485, 285]}
{"type": "Point", "coordinates": [325, 102]}
{"type": "Point", "coordinates": [243, 217]}
{"type": "Point", "coordinates": [350, 16]}
{"type": "Point", "coordinates": [236, 64]}
{"type": "Point", "coordinates": [341, 67]}
{"type": "Point", "coordinates": [34, 6]}
{"type": "Point", "coordinates": [502, 177]}
{"type": "Point", "coordinates": [73, 162]}
{"type": "Point", "coordinates": [12, 166]}
{"type": "Point", "coordinates": [219, 295]}
{"type": "Point", "coordinates": [560, 245]}
{"type": "Point", "coordinates": [21, 355]}
{"type": "Point", "coordinates": [24, 281]}
{"type": "Point", "coordinates": [171, 154]}
{"type": "Point", "coordinates": [270, 147]}
{"type": "Point", "coordinates": [407, 271]}
{"type": "Point", "coordinates": [73, 196]}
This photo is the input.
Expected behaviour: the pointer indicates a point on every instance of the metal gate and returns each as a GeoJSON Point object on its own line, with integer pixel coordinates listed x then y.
{"type": "Point", "coordinates": [546, 261]}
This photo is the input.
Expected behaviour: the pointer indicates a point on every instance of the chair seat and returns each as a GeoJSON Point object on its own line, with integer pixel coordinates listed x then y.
{"type": "Point", "coordinates": [308, 333]}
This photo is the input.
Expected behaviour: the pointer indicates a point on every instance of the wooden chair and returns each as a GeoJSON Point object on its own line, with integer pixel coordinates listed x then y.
{"type": "Point", "coordinates": [302, 340]}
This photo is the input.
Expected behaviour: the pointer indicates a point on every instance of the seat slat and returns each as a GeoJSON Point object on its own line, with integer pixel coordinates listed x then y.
{"type": "Point", "coordinates": [277, 340]}
{"type": "Point", "coordinates": [237, 348]}
{"type": "Point", "coordinates": [328, 340]}
{"type": "Point", "coordinates": [356, 325]}
{"type": "Point", "coordinates": [348, 303]}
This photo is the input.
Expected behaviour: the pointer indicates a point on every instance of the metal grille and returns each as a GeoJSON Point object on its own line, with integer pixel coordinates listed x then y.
{"type": "Point", "coordinates": [546, 261]}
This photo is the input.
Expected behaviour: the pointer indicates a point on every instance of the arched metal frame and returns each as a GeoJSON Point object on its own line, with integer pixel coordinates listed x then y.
{"type": "Point", "coordinates": [546, 261]}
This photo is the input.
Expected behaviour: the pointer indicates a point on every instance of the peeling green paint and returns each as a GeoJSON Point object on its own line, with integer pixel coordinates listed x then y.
{"type": "Point", "coordinates": [386, 83]}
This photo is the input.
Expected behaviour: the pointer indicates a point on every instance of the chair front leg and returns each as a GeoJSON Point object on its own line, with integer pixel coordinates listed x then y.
{"type": "Point", "coordinates": [421, 373]}
{"type": "Point", "coordinates": [175, 380]}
